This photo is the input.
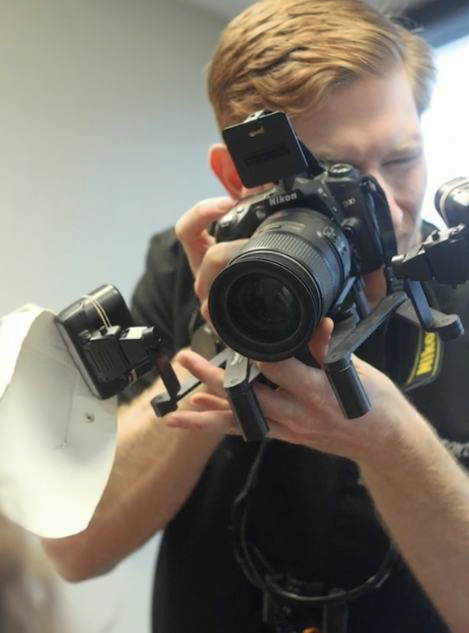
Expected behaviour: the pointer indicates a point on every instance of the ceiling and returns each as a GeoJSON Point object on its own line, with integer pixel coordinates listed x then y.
{"type": "Point", "coordinates": [229, 8]}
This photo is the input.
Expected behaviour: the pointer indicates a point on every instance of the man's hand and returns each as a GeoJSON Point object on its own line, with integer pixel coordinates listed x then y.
{"type": "Point", "coordinates": [303, 408]}
{"type": "Point", "coordinates": [206, 257]}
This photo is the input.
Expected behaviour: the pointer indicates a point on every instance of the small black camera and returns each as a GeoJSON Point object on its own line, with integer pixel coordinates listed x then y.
{"type": "Point", "coordinates": [316, 228]}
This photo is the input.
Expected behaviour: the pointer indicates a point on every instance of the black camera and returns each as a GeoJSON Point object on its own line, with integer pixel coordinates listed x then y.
{"type": "Point", "coordinates": [313, 231]}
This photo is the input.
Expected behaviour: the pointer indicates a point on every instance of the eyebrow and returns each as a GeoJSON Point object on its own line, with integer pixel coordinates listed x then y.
{"type": "Point", "coordinates": [414, 144]}
{"type": "Point", "coordinates": [410, 147]}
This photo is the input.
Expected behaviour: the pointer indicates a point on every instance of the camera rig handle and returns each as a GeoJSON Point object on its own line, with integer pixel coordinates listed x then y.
{"type": "Point", "coordinates": [240, 373]}
{"type": "Point", "coordinates": [167, 401]}
{"type": "Point", "coordinates": [338, 365]}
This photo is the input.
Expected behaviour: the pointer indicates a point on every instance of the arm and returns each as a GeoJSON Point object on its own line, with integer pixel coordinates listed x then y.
{"type": "Point", "coordinates": [422, 495]}
{"type": "Point", "coordinates": [419, 490]}
{"type": "Point", "coordinates": [154, 471]}
{"type": "Point", "coordinates": [155, 467]}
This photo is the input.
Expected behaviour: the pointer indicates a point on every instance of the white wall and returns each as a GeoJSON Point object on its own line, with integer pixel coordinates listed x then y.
{"type": "Point", "coordinates": [445, 124]}
{"type": "Point", "coordinates": [104, 128]}
{"type": "Point", "coordinates": [103, 134]}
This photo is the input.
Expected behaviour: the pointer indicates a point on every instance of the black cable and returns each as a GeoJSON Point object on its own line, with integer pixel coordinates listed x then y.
{"type": "Point", "coordinates": [264, 577]}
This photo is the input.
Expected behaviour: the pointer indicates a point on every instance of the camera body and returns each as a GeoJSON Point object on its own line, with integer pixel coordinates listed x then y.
{"type": "Point", "coordinates": [341, 193]}
{"type": "Point", "coordinates": [311, 234]}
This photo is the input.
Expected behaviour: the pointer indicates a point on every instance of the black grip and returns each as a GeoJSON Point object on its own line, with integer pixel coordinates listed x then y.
{"type": "Point", "coordinates": [248, 415]}
{"type": "Point", "coordinates": [349, 391]}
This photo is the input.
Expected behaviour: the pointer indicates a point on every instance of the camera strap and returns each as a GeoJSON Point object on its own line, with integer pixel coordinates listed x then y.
{"type": "Point", "coordinates": [429, 346]}
{"type": "Point", "coordinates": [426, 350]}
{"type": "Point", "coordinates": [427, 362]}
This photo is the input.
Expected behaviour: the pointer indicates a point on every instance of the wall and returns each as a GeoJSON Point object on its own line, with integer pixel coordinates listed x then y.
{"type": "Point", "coordinates": [445, 124]}
{"type": "Point", "coordinates": [104, 128]}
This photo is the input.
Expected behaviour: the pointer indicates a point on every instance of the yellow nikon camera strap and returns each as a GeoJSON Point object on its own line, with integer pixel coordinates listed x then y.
{"type": "Point", "coordinates": [427, 362]}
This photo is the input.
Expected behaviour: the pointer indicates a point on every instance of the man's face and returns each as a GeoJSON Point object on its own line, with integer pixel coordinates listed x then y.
{"type": "Point", "coordinates": [373, 124]}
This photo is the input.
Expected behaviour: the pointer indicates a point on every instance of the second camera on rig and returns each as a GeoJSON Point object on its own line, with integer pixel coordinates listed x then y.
{"type": "Point", "coordinates": [310, 234]}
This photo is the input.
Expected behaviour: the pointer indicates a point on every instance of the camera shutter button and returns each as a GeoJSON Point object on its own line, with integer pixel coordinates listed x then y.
{"type": "Point", "coordinates": [260, 212]}
{"type": "Point", "coordinates": [228, 219]}
{"type": "Point", "coordinates": [340, 169]}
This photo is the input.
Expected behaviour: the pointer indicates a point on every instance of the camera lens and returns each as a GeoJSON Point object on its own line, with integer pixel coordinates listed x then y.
{"type": "Point", "coordinates": [263, 307]}
{"type": "Point", "coordinates": [452, 201]}
{"type": "Point", "coordinates": [269, 299]}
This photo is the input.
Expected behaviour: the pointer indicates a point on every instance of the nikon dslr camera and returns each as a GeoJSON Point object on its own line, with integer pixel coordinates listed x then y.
{"type": "Point", "coordinates": [312, 234]}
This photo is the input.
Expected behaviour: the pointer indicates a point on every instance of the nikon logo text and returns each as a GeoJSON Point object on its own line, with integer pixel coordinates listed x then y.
{"type": "Point", "coordinates": [287, 197]}
{"type": "Point", "coordinates": [253, 133]}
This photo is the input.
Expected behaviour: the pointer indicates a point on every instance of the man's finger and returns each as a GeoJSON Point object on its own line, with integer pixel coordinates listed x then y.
{"type": "Point", "coordinates": [203, 370]}
{"type": "Point", "coordinates": [191, 229]}
{"type": "Point", "coordinates": [197, 219]}
{"type": "Point", "coordinates": [219, 421]}
{"type": "Point", "coordinates": [216, 258]}
{"type": "Point", "coordinates": [305, 383]}
{"type": "Point", "coordinates": [319, 343]}
{"type": "Point", "coordinates": [209, 402]}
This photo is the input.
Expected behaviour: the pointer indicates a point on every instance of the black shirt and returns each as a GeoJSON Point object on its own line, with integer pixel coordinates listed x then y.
{"type": "Point", "coordinates": [309, 514]}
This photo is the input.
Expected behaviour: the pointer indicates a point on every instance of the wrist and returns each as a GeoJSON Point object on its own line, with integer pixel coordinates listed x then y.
{"type": "Point", "coordinates": [404, 435]}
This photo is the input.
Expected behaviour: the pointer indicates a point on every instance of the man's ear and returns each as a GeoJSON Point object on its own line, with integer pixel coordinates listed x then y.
{"type": "Point", "coordinates": [224, 169]}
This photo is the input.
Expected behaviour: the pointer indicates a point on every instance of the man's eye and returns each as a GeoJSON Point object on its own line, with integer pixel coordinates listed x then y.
{"type": "Point", "coordinates": [403, 160]}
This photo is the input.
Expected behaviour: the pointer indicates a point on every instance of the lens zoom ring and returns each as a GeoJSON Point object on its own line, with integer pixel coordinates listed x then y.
{"type": "Point", "coordinates": [297, 249]}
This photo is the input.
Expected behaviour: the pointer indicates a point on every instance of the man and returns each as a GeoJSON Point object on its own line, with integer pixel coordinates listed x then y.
{"type": "Point", "coordinates": [354, 85]}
